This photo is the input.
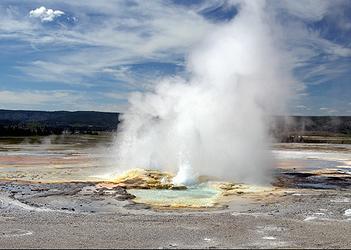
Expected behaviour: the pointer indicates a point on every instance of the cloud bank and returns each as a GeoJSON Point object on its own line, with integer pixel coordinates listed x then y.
{"type": "Point", "coordinates": [108, 40]}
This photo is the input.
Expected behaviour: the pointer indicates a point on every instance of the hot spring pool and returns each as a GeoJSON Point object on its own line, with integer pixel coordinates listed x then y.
{"type": "Point", "coordinates": [198, 196]}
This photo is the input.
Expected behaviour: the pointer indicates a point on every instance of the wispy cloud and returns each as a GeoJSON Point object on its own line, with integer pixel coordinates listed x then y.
{"type": "Point", "coordinates": [307, 10]}
{"type": "Point", "coordinates": [115, 34]}
{"type": "Point", "coordinates": [318, 58]}
{"type": "Point", "coordinates": [96, 43]}
{"type": "Point", "coordinates": [301, 107]}
{"type": "Point", "coordinates": [329, 111]}
{"type": "Point", "coordinates": [119, 33]}
{"type": "Point", "coordinates": [58, 100]}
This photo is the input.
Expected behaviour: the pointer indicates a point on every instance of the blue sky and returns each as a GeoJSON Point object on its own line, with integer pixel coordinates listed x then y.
{"type": "Point", "coordinates": [89, 55]}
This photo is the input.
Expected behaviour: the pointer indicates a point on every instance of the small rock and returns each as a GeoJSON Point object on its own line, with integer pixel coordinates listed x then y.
{"type": "Point", "coordinates": [137, 206]}
{"type": "Point", "coordinates": [178, 188]}
{"type": "Point", "coordinates": [125, 197]}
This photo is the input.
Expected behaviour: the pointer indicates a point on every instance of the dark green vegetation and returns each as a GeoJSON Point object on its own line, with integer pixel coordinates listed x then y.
{"type": "Point", "coordinates": [29, 123]}
{"type": "Point", "coordinates": [317, 129]}
{"type": "Point", "coordinates": [313, 129]}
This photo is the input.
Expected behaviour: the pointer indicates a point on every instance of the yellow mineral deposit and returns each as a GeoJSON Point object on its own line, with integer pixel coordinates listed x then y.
{"type": "Point", "coordinates": [155, 188]}
{"type": "Point", "coordinates": [146, 179]}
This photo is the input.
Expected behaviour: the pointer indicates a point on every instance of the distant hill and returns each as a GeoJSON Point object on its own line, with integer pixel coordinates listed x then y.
{"type": "Point", "coordinates": [23, 122]}
{"type": "Point", "coordinates": [313, 124]}
{"type": "Point", "coordinates": [287, 129]}
{"type": "Point", "coordinates": [317, 129]}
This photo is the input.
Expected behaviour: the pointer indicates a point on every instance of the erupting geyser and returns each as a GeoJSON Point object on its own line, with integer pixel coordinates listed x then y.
{"type": "Point", "coordinates": [216, 122]}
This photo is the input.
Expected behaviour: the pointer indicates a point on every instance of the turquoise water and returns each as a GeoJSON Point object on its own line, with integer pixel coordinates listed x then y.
{"type": "Point", "coordinates": [201, 195]}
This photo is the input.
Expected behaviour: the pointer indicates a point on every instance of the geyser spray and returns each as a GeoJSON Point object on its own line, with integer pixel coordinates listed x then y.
{"type": "Point", "coordinates": [216, 122]}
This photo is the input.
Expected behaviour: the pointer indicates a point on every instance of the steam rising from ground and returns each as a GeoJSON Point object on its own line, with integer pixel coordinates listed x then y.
{"type": "Point", "coordinates": [216, 122]}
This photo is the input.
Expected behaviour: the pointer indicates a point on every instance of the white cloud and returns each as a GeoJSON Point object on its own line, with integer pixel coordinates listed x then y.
{"type": "Point", "coordinates": [112, 34]}
{"type": "Point", "coordinates": [58, 100]}
{"type": "Point", "coordinates": [115, 95]}
{"type": "Point", "coordinates": [127, 34]}
{"type": "Point", "coordinates": [32, 97]}
{"type": "Point", "coordinates": [307, 9]}
{"type": "Point", "coordinates": [148, 31]}
{"type": "Point", "coordinates": [45, 15]}
{"type": "Point", "coordinates": [329, 110]}
{"type": "Point", "coordinates": [317, 58]}
{"type": "Point", "coordinates": [301, 107]}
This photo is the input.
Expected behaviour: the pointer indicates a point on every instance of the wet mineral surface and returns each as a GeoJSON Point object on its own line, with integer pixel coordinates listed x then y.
{"type": "Point", "coordinates": [57, 196]}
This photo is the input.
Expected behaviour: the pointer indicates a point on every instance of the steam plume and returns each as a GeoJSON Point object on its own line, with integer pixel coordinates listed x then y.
{"type": "Point", "coordinates": [215, 123]}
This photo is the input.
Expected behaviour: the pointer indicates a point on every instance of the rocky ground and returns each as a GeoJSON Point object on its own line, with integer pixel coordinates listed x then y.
{"type": "Point", "coordinates": [90, 215]}
{"type": "Point", "coordinates": [307, 206]}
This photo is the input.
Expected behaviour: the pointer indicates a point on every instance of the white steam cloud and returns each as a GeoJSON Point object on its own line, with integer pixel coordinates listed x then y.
{"type": "Point", "coordinates": [45, 15]}
{"type": "Point", "coordinates": [216, 122]}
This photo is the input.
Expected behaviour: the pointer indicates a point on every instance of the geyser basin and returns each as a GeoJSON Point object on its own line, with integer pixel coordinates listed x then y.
{"type": "Point", "coordinates": [155, 188]}
{"type": "Point", "coordinates": [199, 196]}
